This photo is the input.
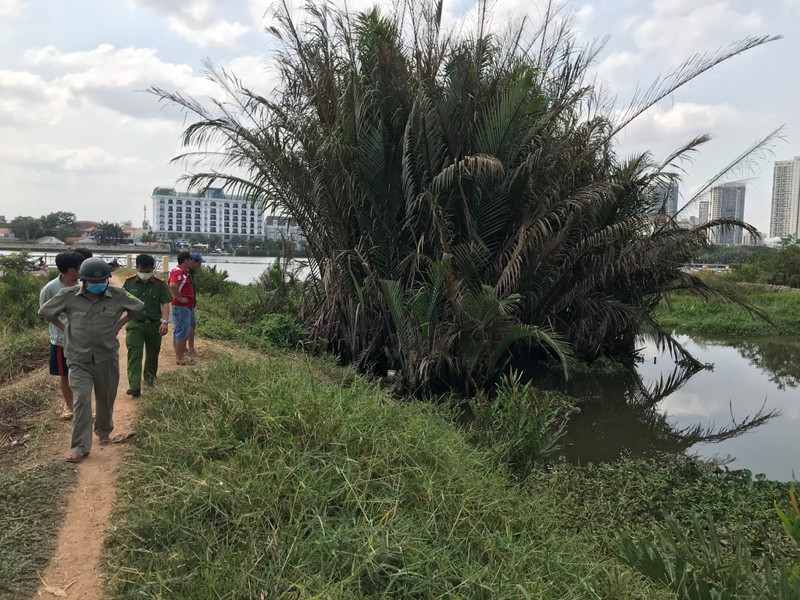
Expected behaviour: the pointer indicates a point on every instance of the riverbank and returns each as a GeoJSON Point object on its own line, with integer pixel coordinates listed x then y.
{"type": "Point", "coordinates": [261, 472]}
{"type": "Point", "coordinates": [691, 314]}
{"type": "Point", "coordinates": [289, 476]}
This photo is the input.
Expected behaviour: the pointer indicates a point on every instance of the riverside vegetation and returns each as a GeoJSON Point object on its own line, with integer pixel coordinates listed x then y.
{"type": "Point", "coordinates": [764, 310]}
{"type": "Point", "coordinates": [283, 474]}
{"type": "Point", "coordinates": [464, 201]}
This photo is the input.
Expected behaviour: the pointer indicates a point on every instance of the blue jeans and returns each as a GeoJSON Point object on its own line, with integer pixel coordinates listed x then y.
{"type": "Point", "coordinates": [182, 319]}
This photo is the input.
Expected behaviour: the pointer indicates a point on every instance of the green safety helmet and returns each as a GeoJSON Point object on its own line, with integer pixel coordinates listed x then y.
{"type": "Point", "coordinates": [94, 270]}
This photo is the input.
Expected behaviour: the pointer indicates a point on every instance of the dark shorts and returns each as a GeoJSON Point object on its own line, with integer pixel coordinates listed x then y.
{"type": "Point", "coordinates": [58, 362]}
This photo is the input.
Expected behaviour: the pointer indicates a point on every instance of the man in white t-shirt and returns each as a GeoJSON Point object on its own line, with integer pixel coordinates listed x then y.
{"type": "Point", "coordinates": [68, 264]}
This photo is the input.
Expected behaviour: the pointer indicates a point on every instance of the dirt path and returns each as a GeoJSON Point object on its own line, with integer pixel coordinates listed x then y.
{"type": "Point", "coordinates": [74, 570]}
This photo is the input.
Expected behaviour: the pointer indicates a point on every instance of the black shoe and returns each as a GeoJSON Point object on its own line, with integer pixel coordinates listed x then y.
{"type": "Point", "coordinates": [135, 392]}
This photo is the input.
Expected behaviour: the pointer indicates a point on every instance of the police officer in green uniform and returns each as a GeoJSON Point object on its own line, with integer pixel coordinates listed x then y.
{"type": "Point", "coordinates": [143, 334]}
{"type": "Point", "coordinates": [94, 317]}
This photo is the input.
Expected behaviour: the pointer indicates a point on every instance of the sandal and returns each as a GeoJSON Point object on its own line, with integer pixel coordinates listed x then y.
{"type": "Point", "coordinates": [105, 440]}
{"type": "Point", "coordinates": [66, 415]}
{"type": "Point", "coordinates": [76, 457]}
{"type": "Point", "coordinates": [185, 361]}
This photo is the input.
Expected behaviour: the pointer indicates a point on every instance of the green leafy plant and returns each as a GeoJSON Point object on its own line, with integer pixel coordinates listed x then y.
{"type": "Point", "coordinates": [698, 564]}
{"type": "Point", "coordinates": [791, 523]}
{"type": "Point", "coordinates": [519, 424]}
{"type": "Point", "coordinates": [210, 280]}
{"type": "Point", "coordinates": [281, 331]}
{"type": "Point", "coordinates": [19, 294]}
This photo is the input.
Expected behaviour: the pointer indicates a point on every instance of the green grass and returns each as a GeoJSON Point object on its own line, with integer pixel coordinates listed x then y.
{"type": "Point", "coordinates": [692, 315]}
{"type": "Point", "coordinates": [31, 508]}
{"type": "Point", "coordinates": [22, 351]}
{"type": "Point", "coordinates": [269, 479]}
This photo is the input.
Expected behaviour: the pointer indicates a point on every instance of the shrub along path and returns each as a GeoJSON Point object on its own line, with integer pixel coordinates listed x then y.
{"type": "Point", "coordinates": [74, 569]}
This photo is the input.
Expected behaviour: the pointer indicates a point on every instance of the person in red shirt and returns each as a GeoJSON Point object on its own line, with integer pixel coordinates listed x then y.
{"type": "Point", "coordinates": [180, 286]}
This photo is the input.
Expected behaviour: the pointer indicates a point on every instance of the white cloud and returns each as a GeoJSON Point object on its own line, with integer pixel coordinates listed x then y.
{"type": "Point", "coordinates": [115, 78]}
{"type": "Point", "coordinates": [679, 28]}
{"type": "Point", "coordinates": [619, 67]}
{"type": "Point", "coordinates": [25, 96]}
{"type": "Point", "coordinates": [12, 8]}
{"type": "Point", "coordinates": [256, 73]}
{"type": "Point", "coordinates": [585, 12]}
{"type": "Point", "coordinates": [199, 21]}
{"type": "Point", "coordinates": [52, 157]}
{"type": "Point", "coordinates": [663, 129]}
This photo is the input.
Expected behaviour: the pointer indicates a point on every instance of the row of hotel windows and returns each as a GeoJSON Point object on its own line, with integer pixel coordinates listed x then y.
{"type": "Point", "coordinates": [212, 219]}
{"type": "Point", "coordinates": [244, 205]}
{"type": "Point", "coordinates": [210, 230]}
{"type": "Point", "coordinates": [188, 211]}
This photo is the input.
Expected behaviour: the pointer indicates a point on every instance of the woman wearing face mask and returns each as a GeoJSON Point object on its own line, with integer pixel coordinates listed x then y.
{"type": "Point", "coordinates": [94, 317]}
{"type": "Point", "coordinates": [143, 334]}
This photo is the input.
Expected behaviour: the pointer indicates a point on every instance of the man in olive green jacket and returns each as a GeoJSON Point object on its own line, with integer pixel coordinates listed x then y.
{"type": "Point", "coordinates": [94, 317]}
{"type": "Point", "coordinates": [143, 334]}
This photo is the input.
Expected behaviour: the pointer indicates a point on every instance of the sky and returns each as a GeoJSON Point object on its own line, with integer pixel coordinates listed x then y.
{"type": "Point", "coordinates": [78, 132]}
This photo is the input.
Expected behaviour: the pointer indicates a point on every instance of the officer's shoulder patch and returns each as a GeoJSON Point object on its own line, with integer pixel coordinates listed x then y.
{"type": "Point", "coordinates": [158, 278]}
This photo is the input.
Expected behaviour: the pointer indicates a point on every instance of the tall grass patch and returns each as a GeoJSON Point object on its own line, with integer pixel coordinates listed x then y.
{"type": "Point", "coordinates": [19, 297]}
{"type": "Point", "coordinates": [265, 479]}
{"type": "Point", "coordinates": [22, 351]}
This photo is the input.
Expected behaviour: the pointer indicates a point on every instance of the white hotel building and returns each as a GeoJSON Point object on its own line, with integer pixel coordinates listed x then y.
{"type": "Point", "coordinates": [179, 214]}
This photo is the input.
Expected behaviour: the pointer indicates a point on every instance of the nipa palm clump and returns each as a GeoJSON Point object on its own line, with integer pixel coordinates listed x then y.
{"type": "Point", "coordinates": [462, 195]}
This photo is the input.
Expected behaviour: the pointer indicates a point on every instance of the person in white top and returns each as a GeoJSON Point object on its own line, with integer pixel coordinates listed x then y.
{"type": "Point", "coordinates": [68, 264]}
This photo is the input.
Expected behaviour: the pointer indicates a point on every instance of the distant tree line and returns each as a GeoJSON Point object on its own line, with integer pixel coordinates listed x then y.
{"type": "Point", "coordinates": [726, 255]}
{"type": "Point", "coordinates": [60, 224]}
{"type": "Point", "coordinates": [774, 267]}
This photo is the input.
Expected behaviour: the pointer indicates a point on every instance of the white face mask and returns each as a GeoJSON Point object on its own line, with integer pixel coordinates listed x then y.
{"type": "Point", "coordinates": [145, 276]}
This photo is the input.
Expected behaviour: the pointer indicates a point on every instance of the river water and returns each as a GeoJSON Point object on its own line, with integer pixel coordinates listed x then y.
{"type": "Point", "coordinates": [667, 408]}
{"type": "Point", "coordinates": [241, 269]}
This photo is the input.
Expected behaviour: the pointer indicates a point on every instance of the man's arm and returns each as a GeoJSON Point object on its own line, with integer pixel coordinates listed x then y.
{"type": "Point", "coordinates": [124, 320]}
{"type": "Point", "coordinates": [132, 306]}
{"type": "Point", "coordinates": [55, 321]}
{"type": "Point", "coordinates": [176, 293]}
{"type": "Point", "coordinates": [54, 307]}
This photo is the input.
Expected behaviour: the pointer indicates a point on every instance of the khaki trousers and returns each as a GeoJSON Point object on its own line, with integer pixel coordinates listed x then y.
{"type": "Point", "coordinates": [104, 378]}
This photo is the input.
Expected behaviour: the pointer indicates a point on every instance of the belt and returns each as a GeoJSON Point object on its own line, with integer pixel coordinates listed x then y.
{"type": "Point", "coordinates": [148, 321]}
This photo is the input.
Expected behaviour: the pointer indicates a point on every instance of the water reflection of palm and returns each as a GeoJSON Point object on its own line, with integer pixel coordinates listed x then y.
{"type": "Point", "coordinates": [624, 419]}
{"type": "Point", "coordinates": [779, 360]}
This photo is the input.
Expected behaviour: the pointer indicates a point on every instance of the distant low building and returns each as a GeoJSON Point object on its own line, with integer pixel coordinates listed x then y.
{"type": "Point", "coordinates": [50, 241]}
{"type": "Point", "coordinates": [689, 222]}
{"type": "Point", "coordinates": [748, 239]}
{"type": "Point", "coordinates": [6, 233]}
{"type": "Point", "coordinates": [279, 228]}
